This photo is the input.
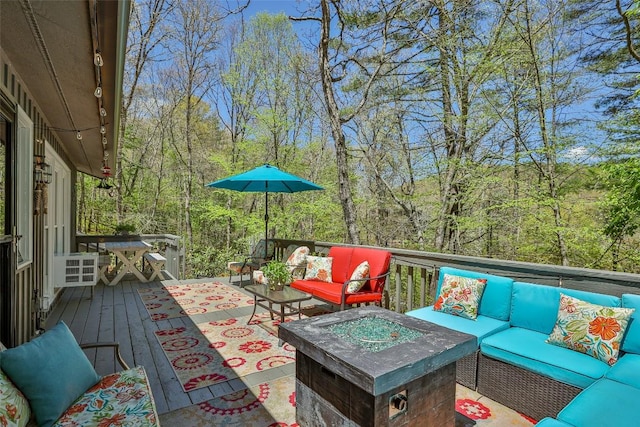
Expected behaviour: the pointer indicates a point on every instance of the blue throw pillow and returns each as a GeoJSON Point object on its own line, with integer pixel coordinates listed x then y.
{"type": "Point", "coordinates": [52, 371]}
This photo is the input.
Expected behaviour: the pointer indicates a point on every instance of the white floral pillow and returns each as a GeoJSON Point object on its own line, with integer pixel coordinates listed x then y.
{"type": "Point", "coordinates": [14, 407]}
{"type": "Point", "coordinates": [356, 281]}
{"type": "Point", "coordinates": [297, 258]}
{"type": "Point", "coordinates": [318, 268]}
{"type": "Point", "coordinates": [592, 329]}
{"type": "Point", "coordinates": [460, 296]}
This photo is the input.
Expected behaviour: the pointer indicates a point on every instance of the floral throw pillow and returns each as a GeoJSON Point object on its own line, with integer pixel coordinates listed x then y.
{"type": "Point", "coordinates": [592, 329]}
{"type": "Point", "coordinates": [14, 408]}
{"type": "Point", "coordinates": [318, 268]}
{"type": "Point", "coordinates": [297, 258]}
{"type": "Point", "coordinates": [359, 273]}
{"type": "Point", "coordinates": [460, 296]}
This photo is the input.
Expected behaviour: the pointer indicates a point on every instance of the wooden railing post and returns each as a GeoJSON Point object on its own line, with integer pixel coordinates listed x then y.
{"type": "Point", "coordinates": [398, 301]}
{"type": "Point", "coordinates": [423, 286]}
{"type": "Point", "coordinates": [409, 288]}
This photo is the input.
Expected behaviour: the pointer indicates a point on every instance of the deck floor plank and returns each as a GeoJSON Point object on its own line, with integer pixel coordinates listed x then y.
{"type": "Point", "coordinates": [105, 362]}
{"type": "Point", "coordinates": [124, 322]}
{"type": "Point", "coordinates": [118, 314]}
{"type": "Point", "coordinates": [139, 324]}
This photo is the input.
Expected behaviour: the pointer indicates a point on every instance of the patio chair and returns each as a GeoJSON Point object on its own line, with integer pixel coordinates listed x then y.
{"type": "Point", "coordinates": [295, 258]}
{"type": "Point", "coordinates": [253, 261]}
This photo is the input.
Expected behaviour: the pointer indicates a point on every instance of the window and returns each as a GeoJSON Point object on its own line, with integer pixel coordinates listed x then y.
{"type": "Point", "coordinates": [24, 188]}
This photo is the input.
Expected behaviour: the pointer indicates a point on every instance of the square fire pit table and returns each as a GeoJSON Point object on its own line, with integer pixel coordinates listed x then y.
{"type": "Point", "coordinates": [373, 367]}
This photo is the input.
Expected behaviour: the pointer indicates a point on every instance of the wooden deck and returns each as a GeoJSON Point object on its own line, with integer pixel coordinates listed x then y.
{"type": "Point", "coordinates": [118, 314]}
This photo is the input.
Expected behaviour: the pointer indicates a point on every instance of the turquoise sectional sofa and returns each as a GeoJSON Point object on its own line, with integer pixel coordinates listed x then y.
{"type": "Point", "coordinates": [493, 316]}
{"type": "Point", "coordinates": [610, 401]}
{"type": "Point", "coordinates": [516, 367]}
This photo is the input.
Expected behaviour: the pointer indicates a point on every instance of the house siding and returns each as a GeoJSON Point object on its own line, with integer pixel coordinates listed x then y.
{"type": "Point", "coordinates": [26, 318]}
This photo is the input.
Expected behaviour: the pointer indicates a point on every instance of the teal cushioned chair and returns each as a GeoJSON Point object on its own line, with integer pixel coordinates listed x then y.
{"type": "Point", "coordinates": [552, 422]}
{"type": "Point", "coordinates": [631, 343]}
{"type": "Point", "coordinates": [536, 306]}
{"type": "Point", "coordinates": [496, 298]}
{"type": "Point", "coordinates": [527, 349]}
{"type": "Point", "coordinates": [493, 316]}
{"type": "Point", "coordinates": [606, 403]}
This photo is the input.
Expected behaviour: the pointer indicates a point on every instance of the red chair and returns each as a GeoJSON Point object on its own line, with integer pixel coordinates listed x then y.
{"type": "Point", "coordinates": [345, 261]}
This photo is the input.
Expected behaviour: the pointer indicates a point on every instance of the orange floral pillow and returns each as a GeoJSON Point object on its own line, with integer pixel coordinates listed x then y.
{"type": "Point", "coordinates": [318, 268]}
{"type": "Point", "coordinates": [592, 329]}
{"type": "Point", "coordinates": [460, 296]}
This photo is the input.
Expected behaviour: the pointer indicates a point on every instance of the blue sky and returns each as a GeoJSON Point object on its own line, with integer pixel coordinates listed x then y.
{"type": "Point", "coordinates": [289, 7]}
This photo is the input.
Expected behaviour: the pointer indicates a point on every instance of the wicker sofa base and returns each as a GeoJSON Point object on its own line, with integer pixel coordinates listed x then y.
{"type": "Point", "coordinates": [529, 393]}
{"type": "Point", "coordinates": [467, 370]}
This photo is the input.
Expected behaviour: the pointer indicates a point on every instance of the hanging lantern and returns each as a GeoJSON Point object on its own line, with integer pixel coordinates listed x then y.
{"type": "Point", "coordinates": [106, 171]}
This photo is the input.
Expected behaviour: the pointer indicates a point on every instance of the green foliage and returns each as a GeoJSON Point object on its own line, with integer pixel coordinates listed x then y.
{"type": "Point", "coordinates": [266, 106]}
{"type": "Point", "coordinates": [277, 273]}
{"type": "Point", "coordinates": [125, 228]}
{"type": "Point", "coordinates": [209, 261]}
{"type": "Point", "coordinates": [622, 203]}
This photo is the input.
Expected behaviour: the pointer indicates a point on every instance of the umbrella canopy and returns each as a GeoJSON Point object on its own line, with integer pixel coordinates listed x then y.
{"type": "Point", "coordinates": [265, 179]}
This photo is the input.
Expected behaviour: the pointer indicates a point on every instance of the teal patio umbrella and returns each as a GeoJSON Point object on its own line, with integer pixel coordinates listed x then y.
{"type": "Point", "coordinates": [265, 179]}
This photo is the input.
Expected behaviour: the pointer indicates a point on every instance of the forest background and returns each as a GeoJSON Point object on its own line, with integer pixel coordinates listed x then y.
{"type": "Point", "coordinates": [497, 128]}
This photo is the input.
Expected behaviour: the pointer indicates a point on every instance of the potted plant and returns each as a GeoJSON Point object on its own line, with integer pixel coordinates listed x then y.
{"type": "Point", "coordinates": [125, 229]}
{"type": "Point", "coordinates": [277, 274]}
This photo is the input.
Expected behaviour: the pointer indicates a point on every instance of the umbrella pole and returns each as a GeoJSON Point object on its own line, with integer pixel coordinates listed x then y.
{"type": "Point", "coordinates": [266, 221]}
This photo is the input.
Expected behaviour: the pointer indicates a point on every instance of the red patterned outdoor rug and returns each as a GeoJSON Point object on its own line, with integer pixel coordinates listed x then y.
{"type": "Point", "coordinates": [173, 301]}
{"type": "Point", "coordinates": [272, 404]}
{"type": "Point", "coordinates": [270, 325]}
{"type": "Point", "coordinates": [217, 351]}
{"type": "Point", "coordinates": [268, 404]}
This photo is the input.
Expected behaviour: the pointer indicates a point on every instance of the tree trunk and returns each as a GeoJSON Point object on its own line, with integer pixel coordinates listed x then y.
{"type": "Point", "coordinates": [548, 171]}
{"type": "Point", "coordinates": [188, 190]}
{"type": "Point", "coordinates": [344, 185]}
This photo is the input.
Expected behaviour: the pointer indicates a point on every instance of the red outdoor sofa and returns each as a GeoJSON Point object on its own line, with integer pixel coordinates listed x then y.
{"type": "Point", "coordinates": [344, 261]}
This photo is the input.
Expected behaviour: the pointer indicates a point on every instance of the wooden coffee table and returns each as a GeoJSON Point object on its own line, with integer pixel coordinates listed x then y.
{"type": "Point", "coordinates": [286, 298]}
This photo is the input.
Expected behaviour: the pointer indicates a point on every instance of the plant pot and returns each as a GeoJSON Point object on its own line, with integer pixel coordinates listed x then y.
{"type": "Point", "coordinates": [276, 286]}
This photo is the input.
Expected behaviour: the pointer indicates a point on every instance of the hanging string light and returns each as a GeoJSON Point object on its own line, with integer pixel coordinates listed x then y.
{"type": "Point", "coordinates": [97, 59]}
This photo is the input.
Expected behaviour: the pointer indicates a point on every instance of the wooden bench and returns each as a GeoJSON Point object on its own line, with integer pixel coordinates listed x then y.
{"type": "Point", "coordinates": [124, 396]}
{"type": "Point", "coordinates": [104, 262]}
{"type": "Point", "coordinates": [156, 261]}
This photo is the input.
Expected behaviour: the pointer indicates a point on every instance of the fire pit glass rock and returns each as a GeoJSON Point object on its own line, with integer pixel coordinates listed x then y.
{"type": "Point", "coordinates": [373, 333]}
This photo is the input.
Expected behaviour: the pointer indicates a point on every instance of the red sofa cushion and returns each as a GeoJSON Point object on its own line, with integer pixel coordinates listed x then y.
{"type": "Point", "coordinates": [308, 286]}
{"type": "Point", "coordinates": [341, 262]}
{"type": "Point", "coordinates": [333, 292]}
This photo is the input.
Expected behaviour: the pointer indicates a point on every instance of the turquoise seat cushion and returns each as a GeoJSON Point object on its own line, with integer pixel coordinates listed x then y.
{"type": "Point", "coordinates": [606, 403]}
{"type": "Point", "coordinates": [535, 306]}
{"type": "Point", "coordinates": [527, 349]}
{"type": "Point", "coordinates": [552, 422]}
{"type": "Point", "coordinates": [51, 371]}
{"type": "Point", "coordinates": [496, 298]}
{"type": "Point", "coordinates": [481, 327]}
{"type": "Point", "coordinates": [626, 370]}
{"type": "Point", "coordinates": [631, 343]}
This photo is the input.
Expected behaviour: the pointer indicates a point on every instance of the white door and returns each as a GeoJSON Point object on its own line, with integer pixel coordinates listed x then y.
{"type": "Point", "coordinates": [56, 221]}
